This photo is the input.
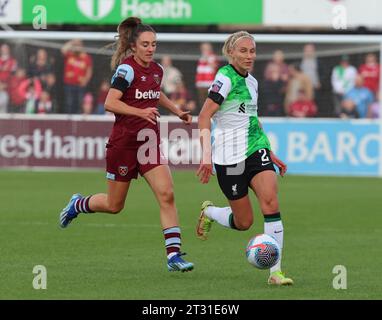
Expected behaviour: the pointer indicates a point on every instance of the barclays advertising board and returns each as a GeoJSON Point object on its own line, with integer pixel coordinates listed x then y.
{"type": "Point", "coordinates": [308, 146]}
{"type": "Point", "coordinates": [328, 147]}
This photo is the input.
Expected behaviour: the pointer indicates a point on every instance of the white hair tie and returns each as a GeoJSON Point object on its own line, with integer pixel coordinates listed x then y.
{"type": "Point", "coordinates": [245, 36]}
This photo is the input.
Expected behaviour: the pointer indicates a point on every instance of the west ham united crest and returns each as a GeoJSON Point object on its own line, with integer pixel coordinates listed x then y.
{"type": "Point", "coordinates": [156, 78]}
{"type": "Point", "coordinates": [122, 170]}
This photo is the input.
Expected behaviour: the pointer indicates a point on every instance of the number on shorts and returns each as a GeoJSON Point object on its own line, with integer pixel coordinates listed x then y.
{"type": "Point", "coordinates": [264, 157]}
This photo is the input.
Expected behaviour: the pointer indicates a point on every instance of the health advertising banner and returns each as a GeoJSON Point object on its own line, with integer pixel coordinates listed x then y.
{"type": "Point", "coordinates": [312, 147]}
{"type": "Point", "coordinates": [183, 12]}
{"type": "Point", "coordinates": [337, 14]}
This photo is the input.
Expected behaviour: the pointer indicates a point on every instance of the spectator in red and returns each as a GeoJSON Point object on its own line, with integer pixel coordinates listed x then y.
{"type": "Point", "coordinates": [16, 99]}
{"type": "Point", "coordinates": [370, 72]}
{"type": "Point", "coordinates": [205, 71]}
{"type": "Point", "coordinates": [8, 64]}
{"type": "Point", "coordinates": [78, 70]}
{"type": "Point", "coordinates": [101, 98]}
{"type": "Point", "coordinates": [303, 107]}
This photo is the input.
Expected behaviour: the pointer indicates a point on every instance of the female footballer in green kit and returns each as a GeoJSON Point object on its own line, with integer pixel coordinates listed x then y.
{"type": "Point", "coordinates": [240, 151]}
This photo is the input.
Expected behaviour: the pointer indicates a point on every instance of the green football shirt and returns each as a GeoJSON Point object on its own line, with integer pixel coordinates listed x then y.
{"type": "Point", "coordinates": [236, 130]}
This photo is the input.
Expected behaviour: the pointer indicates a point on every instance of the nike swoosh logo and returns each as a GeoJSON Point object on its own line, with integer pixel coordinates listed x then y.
{"type": "Point", "coordinates": [278, 231]}
{"type": "Point", "coordinates": [265, 164]}
{"type": "Point", "coordinates": [260, 245]}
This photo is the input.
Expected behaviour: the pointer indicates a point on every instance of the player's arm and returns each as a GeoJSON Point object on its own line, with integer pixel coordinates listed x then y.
{"type": "Point", "coordinates": [280, 164]}
{"type": "Point", "coordinates": [216, 95]}
{"type": "Point", "coordinates": [209, 108]}
{"type": "Point", "coordinates": [165, 102]}
{"type": "Point", "coordinates": [204, 123]}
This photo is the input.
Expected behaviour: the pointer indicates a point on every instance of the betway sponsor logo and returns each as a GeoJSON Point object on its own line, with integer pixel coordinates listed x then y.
{"type": "Point", "coordinates": [158, 9]}
{"type": "Point", "coordinates": [151, 94]}
{"type": "Point", "coordinates": [45, 145]}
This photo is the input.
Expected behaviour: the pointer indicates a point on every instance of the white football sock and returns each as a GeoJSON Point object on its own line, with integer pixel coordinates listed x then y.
{"type": "Point", "coordinates": [223, 216]}
{"type": "Point", "coordinates": [275, 229]}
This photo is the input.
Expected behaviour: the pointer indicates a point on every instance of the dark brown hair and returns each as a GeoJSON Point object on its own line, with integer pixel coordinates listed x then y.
{"type": "Point", "coordinates": [128, 33]}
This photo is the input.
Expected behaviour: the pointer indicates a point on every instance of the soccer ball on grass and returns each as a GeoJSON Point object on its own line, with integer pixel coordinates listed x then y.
{"type": "Point", "coordinates": [263, 251]}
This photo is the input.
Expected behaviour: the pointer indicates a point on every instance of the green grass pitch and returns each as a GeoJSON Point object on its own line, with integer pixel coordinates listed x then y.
{"type": "Point", "coordinates": [327, 222]}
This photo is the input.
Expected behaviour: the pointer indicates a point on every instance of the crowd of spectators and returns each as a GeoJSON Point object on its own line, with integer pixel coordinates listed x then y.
{"type": "Point", "coordinates": [355, 91]}
{"type": "Point", "coordinates": [290, 89]}
{"type": "Point", "coordinates": [33, 89]}
{"type": "Point", "coordinates": [293, 90]}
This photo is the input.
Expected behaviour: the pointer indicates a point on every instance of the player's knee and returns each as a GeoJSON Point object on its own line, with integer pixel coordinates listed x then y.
{"type": "Point", "coordinates": [166, 197]}
{"type": "Point", "coordinates": [115, 208]}
{"type": "Point", "coordinates": [244, 224]}
{"type": "Point", "coordinates": [270, 204]}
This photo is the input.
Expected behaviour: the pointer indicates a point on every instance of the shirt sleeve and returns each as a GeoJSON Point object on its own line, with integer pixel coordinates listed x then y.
{"type": "Point", "coordinates": [219, 89]}
{"type": "Point", "coordinates": [123, 77]}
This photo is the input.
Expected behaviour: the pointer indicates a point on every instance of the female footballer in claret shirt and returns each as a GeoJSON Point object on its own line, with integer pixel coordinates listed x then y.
{"type": "Point", "coordinates": [133, 146]}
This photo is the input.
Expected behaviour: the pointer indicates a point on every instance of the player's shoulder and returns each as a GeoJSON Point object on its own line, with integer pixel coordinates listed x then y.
{"type": "Point", "coordinates": [226, 70]}
{"type": "Point", "coordinates": [157, 67]}
{"type": "Point", "coordinates": [124, 68]}
{"type": "Point", "coordinates": [224, 75]}
{"type": "Point", "coordinates": [128, 61]}
{"type": "Point", "coordinates": [125, 71]}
